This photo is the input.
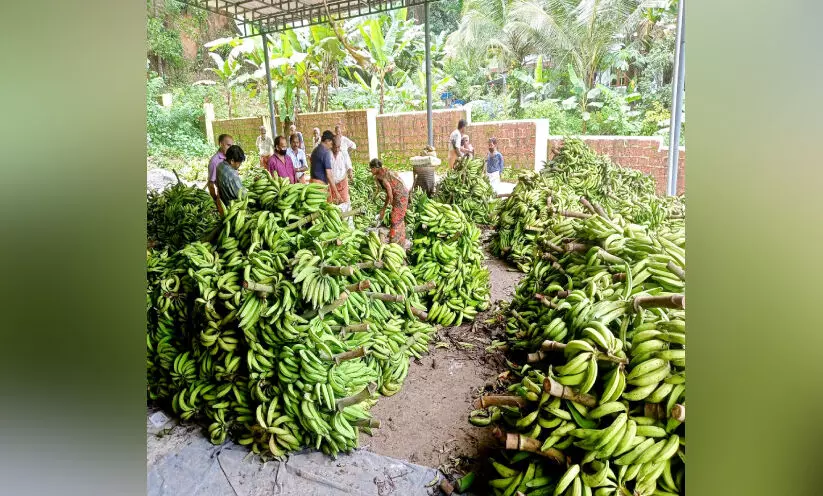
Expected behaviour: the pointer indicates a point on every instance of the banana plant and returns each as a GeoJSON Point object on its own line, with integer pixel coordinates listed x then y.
{"type": "Point", "coordinates": [229, 70]}
{"type": "Point", "coordinates": [411, 93]}
{"type": "Point", "coordinates": [382, 49]}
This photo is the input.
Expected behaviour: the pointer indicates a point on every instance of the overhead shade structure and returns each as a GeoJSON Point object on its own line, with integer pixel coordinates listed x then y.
{"type": "Point", "coordinates": [273, 16]}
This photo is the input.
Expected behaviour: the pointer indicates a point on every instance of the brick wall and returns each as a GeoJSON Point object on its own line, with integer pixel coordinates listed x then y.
{"type": "Point", "coordinates": [355, 127]}
{"type": "Point", "coordinates": [244, 130]}
{"type": "Point", "coordinates": [515, 140]}
{"type": "Point", "coordinates": [644, 153]}
{"type": "Point", "coordinates": [404, 135]}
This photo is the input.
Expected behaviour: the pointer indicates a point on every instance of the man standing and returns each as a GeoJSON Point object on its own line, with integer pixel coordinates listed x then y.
{"type": "Point", "coordinates": [315, 139]}
{"type": "Point", "coordinates": [345, 144]}
{"type": "Point", "coordinates": [298, 158]}
{"type": "Point", "coordinates": [466, 147]}
{"type": "Point", "coordinates": [321, 165]}
{"type": "Point", "coordinates": [228, 180]}
{"type": "Point", "coordinates": [455, 139]}
{"type": "Point", "coordinates": [280, 163]}
{"type": "Point", "coordinates": [494, 163]}
{"type": "Point", "coordinates": [224, 141]}
{"type": "Point", "coordinates": [264, 147]}
{"type": "Point", "coordinates": [292, 131]}
{"type": "Point", "coordinates": [340, 178]}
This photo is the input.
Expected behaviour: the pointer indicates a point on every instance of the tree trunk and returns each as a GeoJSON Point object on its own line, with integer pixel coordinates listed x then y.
{"type": "Point", "coordinates": [228, 100]}
{"type": "Point", "coordinates": [382, 90]}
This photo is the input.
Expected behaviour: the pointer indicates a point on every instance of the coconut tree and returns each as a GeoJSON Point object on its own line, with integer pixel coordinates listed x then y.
{"type": "Point", "coordinates": [487, 36]}
{"type": "Point", "coordinates": [583, 34]}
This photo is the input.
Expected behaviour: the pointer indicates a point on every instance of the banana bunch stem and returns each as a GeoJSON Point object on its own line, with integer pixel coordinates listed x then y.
{"type": "Point", "coordinates": [371, 423]}
{"type": "Point", "coordinates": [520, 442]}
{"type": "Point", "coordinates": [335, 270]}
{"type": "Point", "coordinates": [420, 314]}
{"type": "Point", "coordinates": [360, 397]}
{"type": "Point", "coordinates": [675, 301]}
{"type": "Point", "coordinates": [305, 220]}
{"type": "Point", "coordinates": [499, 400]}
{"type": "Point", "coordinates": [558, 390]}
{"type": "Point", "coordinates": [256, 286]}
{"type": "Point", "coordinates": [358, 352]}
{"type": "Point", "coordinates": [385, 297]}
{"type": "Point", "coordinates": [576, 215]}
{"type": "Point", "coordinates": [327, 309]}
{"type": "Point", "coordinates": [359, 286]}
{"type": "Point", "coordinates": [372, 264]}
{"type": "Point", "coordinates": [361, 327]}
{"type": "Point", "coordinates": [352, 213]}
{"type": "Point", "coordinates": [424, 288]}
{"type": "Point", "coordinates": [676, 270]}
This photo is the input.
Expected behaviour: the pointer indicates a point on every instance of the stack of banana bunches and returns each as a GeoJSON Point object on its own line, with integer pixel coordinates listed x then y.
{"type": "Point", "coordinates": [597, 330]}
{"type": "Point", "coordinates": [576, 171]}
{"type": "Point", "coordinates": [279, 331]}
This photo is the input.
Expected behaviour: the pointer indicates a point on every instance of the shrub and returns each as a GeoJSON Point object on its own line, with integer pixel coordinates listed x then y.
{"type": "Point", "coordinates": [175, 131]}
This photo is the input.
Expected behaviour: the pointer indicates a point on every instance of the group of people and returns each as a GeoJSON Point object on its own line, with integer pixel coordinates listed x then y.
{"type": "Point", "coordinates": [329, 163]}
{"type": "Point", "coordinates": [460, 147]}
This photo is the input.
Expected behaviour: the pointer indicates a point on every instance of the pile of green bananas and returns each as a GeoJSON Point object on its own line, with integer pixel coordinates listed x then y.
{"type": "Point", "coordinates": [364, 194]}
{"type": "Point", "coordinates": [599, 322]}
{"type": "Point", "coordinates": [467, 186]}
{"type": "Point", "coordinates": [576, 171]}
{"type": "Point", "coordinates": [179, 215]}
{"type": "Point", "coordinates": [446, 250]}
{"type": "Point", "coordinates": [280, 333]}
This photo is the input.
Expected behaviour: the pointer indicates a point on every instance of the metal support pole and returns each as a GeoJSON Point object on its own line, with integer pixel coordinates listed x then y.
{"type": "Point", "coordinates": [677, 98]}
{"type": "Point", "coordinates": [268, 85]}
{"type": "Point", "coordinates": [429, 122]}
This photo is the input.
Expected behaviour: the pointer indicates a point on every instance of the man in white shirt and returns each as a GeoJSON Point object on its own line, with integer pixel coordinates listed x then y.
{"type": "Point", "coordinates": [264, 147]}
{"type": "Point", "coordinates": [455, 139]}
{"type": "Point", "coordinates": [345, 145]}
{"type": "Point", "coordinates": [341, 176]}
{"type": "Point", "coordinates": [298, 158]}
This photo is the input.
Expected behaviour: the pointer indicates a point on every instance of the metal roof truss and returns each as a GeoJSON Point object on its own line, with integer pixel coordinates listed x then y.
{"type": "Point", "coordinates": [271, 16]}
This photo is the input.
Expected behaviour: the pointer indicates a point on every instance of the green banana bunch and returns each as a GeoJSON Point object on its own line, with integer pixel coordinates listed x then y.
{"type": "Point", "coordinates": [446, 250]}
{"type": "Point", "coordinates": [179, 215]}
{"type": "Point", "coordinates": [466, 186]}
{"type": "Point", "coordinates": [575, 172]}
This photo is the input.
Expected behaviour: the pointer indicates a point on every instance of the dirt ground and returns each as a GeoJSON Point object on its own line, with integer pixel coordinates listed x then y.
{"type": "Point", "coordinates": [427, 421]}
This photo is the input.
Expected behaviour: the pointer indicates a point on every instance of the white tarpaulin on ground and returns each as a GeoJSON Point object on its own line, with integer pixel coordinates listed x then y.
{"type": "Point", "coordinates": [182, 462]}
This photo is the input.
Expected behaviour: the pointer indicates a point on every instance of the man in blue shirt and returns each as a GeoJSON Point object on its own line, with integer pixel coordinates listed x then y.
{"type": "Point", "coordinates": [321, 164]}
{"type": "Point", "coordinates": [494, 163]}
